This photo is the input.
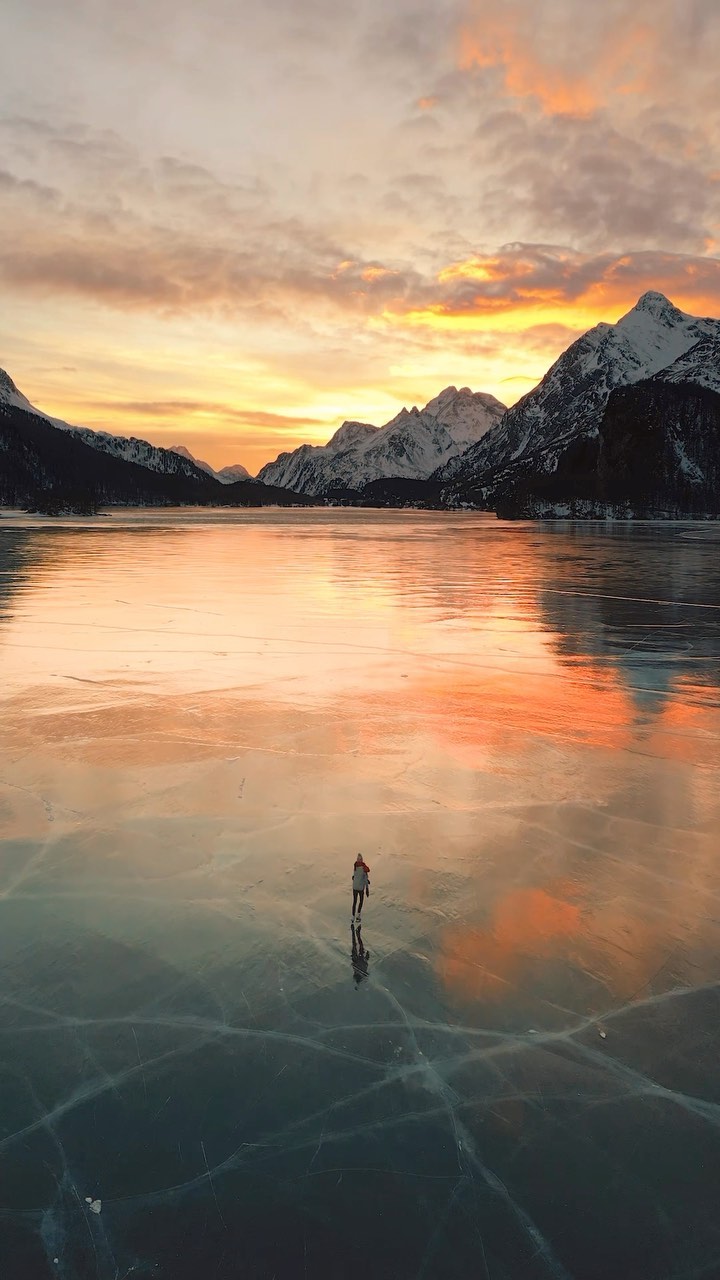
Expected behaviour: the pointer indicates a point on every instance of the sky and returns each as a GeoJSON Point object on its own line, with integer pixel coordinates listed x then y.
{"type": "Point", "coordinates": [234, 225]}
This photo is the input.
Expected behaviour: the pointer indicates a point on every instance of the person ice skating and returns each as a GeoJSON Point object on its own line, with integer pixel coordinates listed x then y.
{"type": "Point", "coordinates": [360, 886]}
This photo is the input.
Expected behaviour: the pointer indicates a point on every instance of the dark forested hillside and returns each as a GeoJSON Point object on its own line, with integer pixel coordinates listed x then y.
{"type": "Point", "coordinates": [657, 453]}
{"type": "Point", "coordinates": [49, 469]}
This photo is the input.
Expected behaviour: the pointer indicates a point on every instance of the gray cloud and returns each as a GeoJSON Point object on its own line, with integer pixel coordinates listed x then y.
{"type": "Point", "coordinates": [182, 240]}
{"type": "Point", "coordinates": [278, 170]}
{"type": "Point", "coordinates": [582, 180]}
{"type": "Point", "coordinates": [171, 235]}
{"type": "Point", "coordinates": [128, 263]}
{"type": "Point", "coordinates": [13, 187]}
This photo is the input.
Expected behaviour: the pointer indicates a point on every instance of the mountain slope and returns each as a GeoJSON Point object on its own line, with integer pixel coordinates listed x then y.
{"type": "Point", "coordinates": [656, 451]}
{"type": "Point", "coordinates": [568, 404]}
{"type": "Point", "coordinates": [45, 467]}
{"type": "Point", "coordinates": [234, 471]}
{"type": "Point", "coordinates": [226, 475]}
{"type": "Point", "coordinates": [700, 365]}
{"type": "Point", "coordinates": [127, 449]}
{"type": "Point", "coordinates": [411, 446]}
{"type": "Point", "coordinates": [38, 461]}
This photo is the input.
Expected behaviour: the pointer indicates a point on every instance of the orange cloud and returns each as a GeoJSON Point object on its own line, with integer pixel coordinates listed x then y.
{"type": "Point", "coordinates": [426, 104]}
{"type": "Point", "coordinates": [376, 273]}
{"type": "Point", "coordinates": [523, 75]}
{"type": "Point", "coordinates": [523, 286]}
{"type": "Point", "coordinates": [621, 60]}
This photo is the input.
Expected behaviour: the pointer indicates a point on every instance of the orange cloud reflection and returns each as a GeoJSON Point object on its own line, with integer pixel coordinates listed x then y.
{"type": "Point", "coordinates": [526, 924]}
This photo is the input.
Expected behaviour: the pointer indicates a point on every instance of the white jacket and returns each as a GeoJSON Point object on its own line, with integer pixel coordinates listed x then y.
{"type": "Point", "coordinates": [360, 878]}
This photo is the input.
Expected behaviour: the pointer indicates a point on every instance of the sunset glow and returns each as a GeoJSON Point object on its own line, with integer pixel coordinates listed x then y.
{"type": "Point", "coordinates": [238, 259]}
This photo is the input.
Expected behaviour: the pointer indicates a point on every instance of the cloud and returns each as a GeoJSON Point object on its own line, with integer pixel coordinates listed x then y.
{"type": "Point", "coordinates": [204, 245]}
{"type": "Point", "coordinates": [206, 408]}
{"type": "Point", "coordinates": [181, 241]}
{"type": "Point", "coordinates": [587, 182]}
{"type": "Point", "coordinates": [425, 126]}
{"type": "Point", "coordinates": [404, 38]}
{"type": "Point", "coordinates": [13, 187]}
{"type": "Point", "coordinates": [572, 59]}
{"type": "Point", "coordinates": [529, 285]}
{"type": "Point", "coordinates": [588, 127]}
{"type": "Point", "coordinates": [178, 272]}
{"type": "Point", "coordinates": [498, 45]}
{"type": "Point", "coordinates": [170, 235]}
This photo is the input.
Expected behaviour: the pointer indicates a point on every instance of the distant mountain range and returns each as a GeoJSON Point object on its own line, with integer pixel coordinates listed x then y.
{"type": "Point", "coordinates": [411, 446]}
{"type": "Point", "coordinates": [226, 475]}
{"type": "Point", "coordinates": [45, 464]}
{"type": "Point", "coordinates": [130, 449]}
{"type": "Point", "coordinates": [625, 422]}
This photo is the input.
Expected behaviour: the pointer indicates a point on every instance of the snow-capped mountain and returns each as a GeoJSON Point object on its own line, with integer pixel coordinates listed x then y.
{"type": "Point", "coordinates": [50, 467]}
{"type": "Point", "coordinates": [700, 365]}
{"type": "Point", "coordinates": [569, 402]}
{"type": "Point", "coordinates": [129, 449]}
{"type": "Point", "coordinates": [656, 451]}
{"type": "Point", "coordinates": [10, 395]}
{"type": "Point", "coordinates": [467, 415]}
{"type": "Point", "coordinates": [226, 475]}
{"type": "Point", "coordinates": [234, 471]}
{"type": "Point", "coordinates": [185, 453]}
{"type": "Point", "coordinates": [411, 446]}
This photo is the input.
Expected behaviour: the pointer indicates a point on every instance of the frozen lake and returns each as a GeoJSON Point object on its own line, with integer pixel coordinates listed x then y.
{"type": "Point", "coordinates": [512, 1072]}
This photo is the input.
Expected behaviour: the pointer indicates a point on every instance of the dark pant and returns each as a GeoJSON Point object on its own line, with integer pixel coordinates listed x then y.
{"type": "Point", "coordinates": [358, 894]}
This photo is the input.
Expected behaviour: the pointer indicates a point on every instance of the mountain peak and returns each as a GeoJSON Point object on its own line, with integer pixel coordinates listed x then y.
{"type": "Point", "coordinates": [569, 402]}
{"type": "Point", "coordinates": [11, 395]}
{"type": "Point", "coordinates": [410, 446]}
{"type": "Point", "coordinates": [6, 383]}
{"type": "Point", "coordinates": [350, 434]}
{"type": "Point", "coordinates": [657, 305]}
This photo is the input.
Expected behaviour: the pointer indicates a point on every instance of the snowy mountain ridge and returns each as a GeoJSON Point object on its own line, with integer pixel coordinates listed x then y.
{"type": "Point", "coordinates": [700, 365]}
{"type": "Point", "coordinates": [226, 475]}
{"type": "Point", "coordinates": [127, 448]}
{"type": "Point", "coordinates": [9, 394]}
{"type": "Point", "coordinates": [411, 446]}
{"type": "Point", "coordinates": [569, 401]}
{"type": "Point", "coordinates": [467, 444]}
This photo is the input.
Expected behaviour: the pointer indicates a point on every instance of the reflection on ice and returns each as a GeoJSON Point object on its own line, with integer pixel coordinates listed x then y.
{"type": "Point", "coordinates": [511, 1068]}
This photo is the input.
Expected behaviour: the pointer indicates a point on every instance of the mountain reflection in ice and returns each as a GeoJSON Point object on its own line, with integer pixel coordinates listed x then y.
{"type": "Point", "coordinates": [511, 1070]}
